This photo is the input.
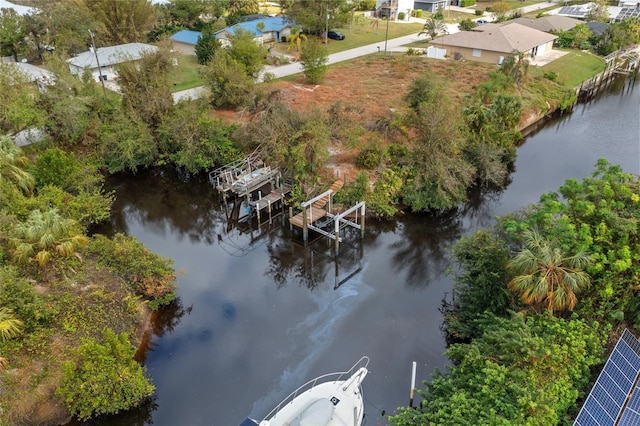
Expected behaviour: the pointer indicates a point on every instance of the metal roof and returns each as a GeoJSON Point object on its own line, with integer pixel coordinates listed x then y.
{"type": "Point", "coordinates": [187, 37]}
{"type": "Point", "coordinates": [271, 23]}
{"type": "Point", "coordinates": [112, 55]}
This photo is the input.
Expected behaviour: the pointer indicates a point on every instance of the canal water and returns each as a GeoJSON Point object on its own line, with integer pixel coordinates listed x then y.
{"type": "Point", "coordinates": [259, 314]}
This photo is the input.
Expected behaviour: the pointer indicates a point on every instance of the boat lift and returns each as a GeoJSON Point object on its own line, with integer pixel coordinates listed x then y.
{"type": "Point", "coordinates": [313, 217]}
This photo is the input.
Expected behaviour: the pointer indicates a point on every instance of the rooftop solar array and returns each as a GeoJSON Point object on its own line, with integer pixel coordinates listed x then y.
{"type": "Point", "coordinates": [607, 404]}
{"type": "Point", "coordinates": [628, 12]}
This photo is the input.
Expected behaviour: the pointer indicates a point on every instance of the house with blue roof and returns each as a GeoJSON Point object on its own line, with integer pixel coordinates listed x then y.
{"type": "Point", "coordinates": [266, 30]}
{"type": "Point", "coordinates": [184, 41]}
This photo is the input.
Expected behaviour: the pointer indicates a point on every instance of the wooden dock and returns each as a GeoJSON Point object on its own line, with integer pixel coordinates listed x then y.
{"type": "Point", "coordinates": [312, 214]}
{"type": "Point", "coordinates": [321, 208]}
{"type": "Point", "coordinates": [271, 199]}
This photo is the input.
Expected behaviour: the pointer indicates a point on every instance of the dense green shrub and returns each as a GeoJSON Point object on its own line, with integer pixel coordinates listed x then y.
{"type": "Point", "coordinates": [467, 3]}
{"type": "Point", "coordinates": [416, 13]}
{"type": "Point", "coordinates": [18, 294]}
{"type": "Point", "coordinates": [127, 144]}
{"type": "Point", "coordinates": [401, 16]}
{"type": "Point", "coordinates": [149, 274]}
{"type": "Point", "coordinates": [467, 25]}
{"type": "Point", "coordinates": [103, 378]}
{"type": "Point", "coordinates": [366, 5]}
{"type": "Point", "coordinates": [519, 372]}
{"type": "Point", "coordinates": [314, 60]}
{"type": "Point", "coordinates": [355, 191]}
{"type": "Point", "coordinates": [370, 157]}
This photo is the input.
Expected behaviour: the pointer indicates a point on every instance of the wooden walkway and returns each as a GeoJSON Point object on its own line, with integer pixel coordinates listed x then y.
{"type": "Point", "coordinates": [322, 202]}
{"type": "Point", "coordinates": [317, 210]}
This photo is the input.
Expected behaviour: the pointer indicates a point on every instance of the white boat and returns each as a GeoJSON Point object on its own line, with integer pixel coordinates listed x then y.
{"type": "Point", "coordinates": [333, 399]}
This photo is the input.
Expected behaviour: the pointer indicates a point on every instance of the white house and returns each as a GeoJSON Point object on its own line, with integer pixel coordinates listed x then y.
{"type": "Point", "coordinates": [108, 58]}
{"type": "Point", "coordinates": [392, 8]}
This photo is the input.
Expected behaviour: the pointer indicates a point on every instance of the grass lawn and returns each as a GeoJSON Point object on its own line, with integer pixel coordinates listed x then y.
{"type": "Point", "coordinates": [362, 32]}
{"type": "Point", "coordinates": [573, 68]}
{"type": "Point", "coordinates": [185, 75]}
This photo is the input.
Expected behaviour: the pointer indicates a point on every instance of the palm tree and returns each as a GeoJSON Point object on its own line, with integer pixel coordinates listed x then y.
{"type": "Point", "coordinates": [434, 27]}
{"type": "Point", "coordinates": [46, 235]}
{"type": "Point", "coordinates": [10, 326]}
{"type": "Point", "coordinates": [296, 38]}
{"type": "Point", "coordinates": [516, 66]}
{"type": "Point", "coordinates": [12, 162]}
{"type": "Point", "coordinates": [543, 273]}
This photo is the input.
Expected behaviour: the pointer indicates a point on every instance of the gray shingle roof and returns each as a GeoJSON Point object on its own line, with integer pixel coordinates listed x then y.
{"type": "Point", "coordinates": [498, 38]}
{"type": "Point", "coordinates": [547, 23]}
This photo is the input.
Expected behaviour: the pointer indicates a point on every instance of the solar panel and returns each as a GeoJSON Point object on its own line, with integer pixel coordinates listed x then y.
{"type": "Point", "coordinates": [617, 382]}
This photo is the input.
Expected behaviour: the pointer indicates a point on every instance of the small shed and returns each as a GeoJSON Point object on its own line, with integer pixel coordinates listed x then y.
{"type": "Point", "coordinates": [184, 41]}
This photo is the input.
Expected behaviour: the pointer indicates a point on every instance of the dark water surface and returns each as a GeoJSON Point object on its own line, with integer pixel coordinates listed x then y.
{"type": "Point", "coordinates": [259, 315]}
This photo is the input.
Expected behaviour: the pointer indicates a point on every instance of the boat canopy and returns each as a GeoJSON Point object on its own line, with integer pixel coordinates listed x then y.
{"type": "Point", "coordinates": [318, 413]}
{"type": "Point", "coordinates": [249, 422]}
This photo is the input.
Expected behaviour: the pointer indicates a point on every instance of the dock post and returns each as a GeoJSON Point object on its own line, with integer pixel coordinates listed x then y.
{"type": "Point", "coordinates": [269, 208]}
{"type": "Point", "coordinates": [337, 239]}
{"type": "Point", "coordinates": [413, 384]}
{"type": "Point", "coordinates": [258, 211]}
{"type": "Point", "coordinates": [362, 220]}
{"type": "Point", "coordinates": [290, 216]}
{"type": "Point", "coordinates": [305, 230]}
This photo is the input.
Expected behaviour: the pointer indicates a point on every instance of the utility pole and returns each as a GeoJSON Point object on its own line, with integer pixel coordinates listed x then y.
{"type": "Point", "coordinates": [95, 51]}
{"type": "Point", "coordinates": [326, 24]}
{"type": "Point", "coordinates": [386, 35]}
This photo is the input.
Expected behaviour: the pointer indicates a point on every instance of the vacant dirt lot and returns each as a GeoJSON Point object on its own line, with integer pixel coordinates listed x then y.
{"type": "Point", "coordinates": [375, 85]}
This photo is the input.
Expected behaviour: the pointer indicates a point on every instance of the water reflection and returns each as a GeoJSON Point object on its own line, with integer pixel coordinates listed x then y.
{"type": "Point", "coordinates": [310, 265]}
{"type": "Point", "coordinates": [259, 314]}
{"type": "Point", "coordinates": [163, 321]}
{"type": "Point", "coordinates": [421, 251]}
{"type": "Point", "coordinates": [160, 199]}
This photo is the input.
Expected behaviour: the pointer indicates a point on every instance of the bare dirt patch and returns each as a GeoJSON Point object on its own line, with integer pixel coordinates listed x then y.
{"type": "Point", "coordinates": [374, 85]}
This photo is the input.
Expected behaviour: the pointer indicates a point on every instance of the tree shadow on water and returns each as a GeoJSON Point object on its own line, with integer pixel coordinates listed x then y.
{"type": "Point", "coordinates": [421, 250]}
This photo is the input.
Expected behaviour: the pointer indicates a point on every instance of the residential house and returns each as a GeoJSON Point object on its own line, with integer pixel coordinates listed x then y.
{"type": "Point", "coordinates": [492, 43]}
{"type": "Point", "coordinates": [627, 10]}
{"type": "Point", "coordinates": [581, 11]}
{"type": "Point", "coordinates": [391, 8]}
{"type": "Point", "coordinates": [548, 24]}
{"type": "Point", "coordinates": [184, 41]}
{"type": "Point", "coordinates": [265, 30]}
{"type": "Point", "coordinates": [102, 61]}
{"type": "Point", "coordinates": [431, 5]}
